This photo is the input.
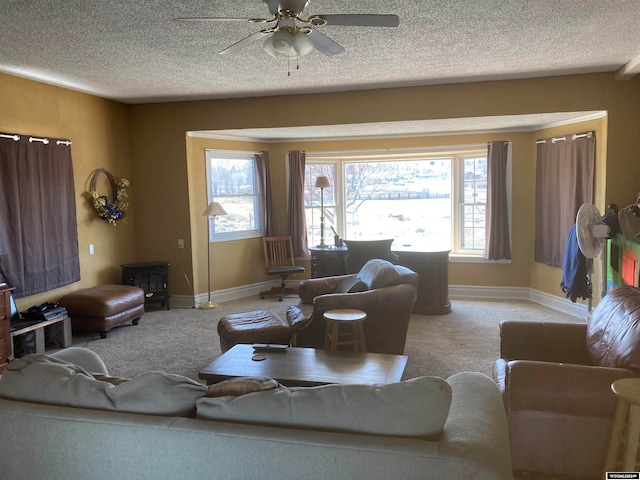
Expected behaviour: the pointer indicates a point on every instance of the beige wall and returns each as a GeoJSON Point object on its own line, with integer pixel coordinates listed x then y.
{"type": "Point", "coordinates": [233, 263]}
{"type": "Point", "coordinates": [518, 273]}
{"type": "Point", "coordinates": [543, 277]}
{"type": "Point", "coordinates": [99, 132]}
{"type": "Point", "coordinates": [148, 145]}
{"type": "Point", "coordinates": [165, 125]}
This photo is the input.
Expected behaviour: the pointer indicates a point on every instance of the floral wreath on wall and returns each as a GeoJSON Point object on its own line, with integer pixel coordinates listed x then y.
{"type": "Point", "coordinates": [106, 208]}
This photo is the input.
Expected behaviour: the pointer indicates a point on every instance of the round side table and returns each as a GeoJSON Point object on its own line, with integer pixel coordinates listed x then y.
{"type": "Point", "coordinates": [625, 431]}
{"type": "Point", "coordinates": [354, 334]}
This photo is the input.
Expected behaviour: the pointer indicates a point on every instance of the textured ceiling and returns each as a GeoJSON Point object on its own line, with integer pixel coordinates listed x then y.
{"type": "Point", "coordinates": [133, 50]}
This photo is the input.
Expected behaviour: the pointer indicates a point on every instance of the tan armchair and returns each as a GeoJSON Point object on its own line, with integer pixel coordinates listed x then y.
{"type": "Point", "coordinates": [556, 384]}
{"type": "Point", "coordinates": [385, 292]}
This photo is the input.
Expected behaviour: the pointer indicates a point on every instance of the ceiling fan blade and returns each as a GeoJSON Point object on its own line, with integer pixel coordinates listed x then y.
{"type": "Point", "coordinates": [325, 44]}
{"type": "Point", "coordinates": [220, 19]}
{"type": "Point", "coordinates": [236, 47]}
{"type": "Point", "coordinates": [357, 20]}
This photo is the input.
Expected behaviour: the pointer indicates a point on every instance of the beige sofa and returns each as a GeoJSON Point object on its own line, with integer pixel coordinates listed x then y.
{"type": "Point", "coordinates": [41, 440]}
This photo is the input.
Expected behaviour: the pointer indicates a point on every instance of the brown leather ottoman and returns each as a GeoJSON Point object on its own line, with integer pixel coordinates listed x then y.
{"type": "Point", "coordinates": [102, 307]}
{"type": "Point", "coordinates": [253, 327]}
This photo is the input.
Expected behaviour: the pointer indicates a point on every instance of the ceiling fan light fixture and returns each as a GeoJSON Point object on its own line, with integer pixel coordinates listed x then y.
{"type": "Point", "coordinates": [282, 41]}
{"type": "Point", "coordinates": [267, 46]}
{"type": "Point", "coordinates": [302, 44]}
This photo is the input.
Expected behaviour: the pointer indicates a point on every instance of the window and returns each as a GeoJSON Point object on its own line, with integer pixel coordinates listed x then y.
{"type": "Point", "coordinates": [432, 199]}
{"type": "Point", "coordinates": [232, 181]}
{"type": "Point", "coordinates": [313, 201]}
{"type": "Point", "coordinates": [473, 203]}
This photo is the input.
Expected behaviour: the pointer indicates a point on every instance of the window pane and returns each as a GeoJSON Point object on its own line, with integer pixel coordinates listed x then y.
{"type": "Point", "coordinates": [240, 214]}
{"type": "Point", "coordinates": [406, 200]}
{"type": "Point", "coordinates": [313, 197]}
{"type": "Point", "coordinates": [473, 231]}
{"type": "Point", "coordinates": [232, 176]}
{"type": "Point", "coordinates": [313, 225]}
{"type": "Point", "coordinates": [475, 180]}
{"type": "Point", "coordinates": [311, 193]}
{"type": "Point", "coordinates": [474, 195]}
{"type": "Point", "coordinates": [232, 181]}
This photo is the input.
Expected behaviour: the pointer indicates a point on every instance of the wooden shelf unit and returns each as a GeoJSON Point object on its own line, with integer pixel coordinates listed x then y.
{"type": "Point", "coordinates": [6, 350]}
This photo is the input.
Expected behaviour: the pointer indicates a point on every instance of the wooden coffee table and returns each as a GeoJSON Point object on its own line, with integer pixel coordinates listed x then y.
{"type": "Point", "coordinates": [306, 366]}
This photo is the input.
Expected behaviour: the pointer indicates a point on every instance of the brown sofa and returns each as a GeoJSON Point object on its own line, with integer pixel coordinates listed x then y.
{"type": "Point", "coordinates": [556, 384]}
{"type": "Point", "coordinates": [385, 292]}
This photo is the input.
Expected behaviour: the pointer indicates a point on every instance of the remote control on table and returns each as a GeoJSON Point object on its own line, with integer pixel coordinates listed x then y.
{"type": "Point", "coordinates": [270, 347]}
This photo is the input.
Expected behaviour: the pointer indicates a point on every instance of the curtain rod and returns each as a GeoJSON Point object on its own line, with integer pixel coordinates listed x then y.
{"type": "Point", "coordinates": [15, 138]}
{"type": "Point", "coordinates": [562, 139]}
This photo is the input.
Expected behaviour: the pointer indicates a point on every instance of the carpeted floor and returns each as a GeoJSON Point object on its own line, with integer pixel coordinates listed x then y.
{"type": "Point", "coordinates": [185, 340]}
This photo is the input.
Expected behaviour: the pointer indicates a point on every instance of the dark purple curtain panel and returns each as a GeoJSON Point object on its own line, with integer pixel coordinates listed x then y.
{"type": "Point", "coordinates": [297, 217]}
{"type": "Point", "coordinates": [497, 241]}
{"type": "Point", "coordinates": [38, 230]}
{"type": "Point", "coordinates": [264, 176]}
{"type": "Point", "coordinates": [564, 181]}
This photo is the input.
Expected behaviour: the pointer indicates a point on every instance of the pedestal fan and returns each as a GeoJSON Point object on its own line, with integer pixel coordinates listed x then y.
{"type": "Point", "coordinates": [592, 233]}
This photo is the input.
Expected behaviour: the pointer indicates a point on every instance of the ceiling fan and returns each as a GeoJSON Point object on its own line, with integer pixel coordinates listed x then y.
{"type": "Point", "coordinates": [293, 36]}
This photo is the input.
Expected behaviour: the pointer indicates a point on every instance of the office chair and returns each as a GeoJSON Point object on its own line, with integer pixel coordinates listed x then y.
{"type": "Point", "coordinates": [279, 260]}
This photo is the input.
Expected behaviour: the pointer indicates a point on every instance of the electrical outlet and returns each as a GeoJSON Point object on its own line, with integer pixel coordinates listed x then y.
{"type": "Point", "coordinates": [91, 250]}
{"type": "Point", "coordinates": [180, 243]}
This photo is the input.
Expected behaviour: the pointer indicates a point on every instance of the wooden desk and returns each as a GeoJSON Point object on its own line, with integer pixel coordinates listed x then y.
{"type": "Point", "coordinates": [306, 366]}
{"type": "Point", "coordinates": [432, 266]}
{"type": "Point", "coordinates": [433, 286]}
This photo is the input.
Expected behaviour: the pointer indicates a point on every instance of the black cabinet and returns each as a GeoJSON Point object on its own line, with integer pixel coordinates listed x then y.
{"type": "Point", "coordinates": [327, 261]}
{"type": "Point", "coordinates": [152, 278]}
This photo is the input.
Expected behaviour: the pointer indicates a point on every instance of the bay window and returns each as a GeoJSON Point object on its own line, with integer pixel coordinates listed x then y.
{"type": "Point", "coordinates": [432, 199]}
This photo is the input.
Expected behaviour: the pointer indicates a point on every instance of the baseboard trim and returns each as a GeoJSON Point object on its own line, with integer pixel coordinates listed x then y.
{"type": "Point", "coordinates": [564, 305]}
{"type": "Point", "coordinates": [561, 304]}
{"type": "Point", "coordinates": [521, 293]}
{"type": "Point", "coordinates": [224, 295]}
{"type": "Point", "coordinates": [504, 293]}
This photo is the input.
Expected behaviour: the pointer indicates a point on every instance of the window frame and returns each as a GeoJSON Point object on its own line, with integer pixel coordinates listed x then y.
{"type": "Point", "coordinates": [460, 203]}
{"type": "Point", "coordinates": [457, 155]}
{"type": "Point", "coordinates": [335, 204]}
{"type": "Point", "coordinates": [258, 197]}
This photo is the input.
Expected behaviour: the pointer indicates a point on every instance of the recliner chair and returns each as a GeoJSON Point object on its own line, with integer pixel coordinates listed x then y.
{"type": "Point", "coordinates": [385, 292]}
{"type": "Point", "coordinates": [556, 384]}
{"type": "Point", "coordinates": [361, 251]}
